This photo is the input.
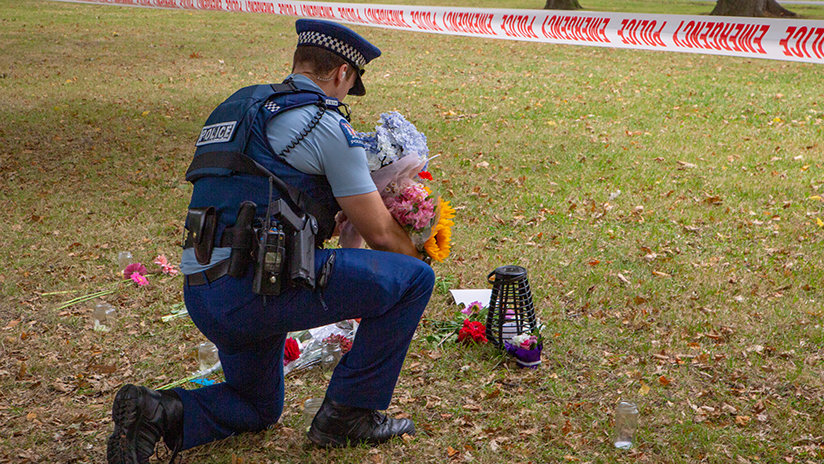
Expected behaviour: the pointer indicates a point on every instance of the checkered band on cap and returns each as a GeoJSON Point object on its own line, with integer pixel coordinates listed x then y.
{"type": "Point", "coordinates": [331, 43]}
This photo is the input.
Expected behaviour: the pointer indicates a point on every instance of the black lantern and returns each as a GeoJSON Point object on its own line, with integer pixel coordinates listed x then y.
{"type": "Point", "coordinates": [511, 311]}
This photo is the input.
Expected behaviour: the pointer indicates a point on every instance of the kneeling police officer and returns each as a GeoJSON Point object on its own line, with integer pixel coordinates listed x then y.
{"type": "Point", "coordinates": [274, 166]}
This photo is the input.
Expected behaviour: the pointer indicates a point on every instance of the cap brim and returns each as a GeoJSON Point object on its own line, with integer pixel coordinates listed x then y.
{"type": "Point", "coordinates": [358, 89]}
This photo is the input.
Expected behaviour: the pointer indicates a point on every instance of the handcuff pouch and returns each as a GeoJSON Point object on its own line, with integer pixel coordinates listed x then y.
{"type": "Point", "coordinates": [202, 223]}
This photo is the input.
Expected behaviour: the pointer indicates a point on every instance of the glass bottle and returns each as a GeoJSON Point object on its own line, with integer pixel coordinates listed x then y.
{"type": "Point", "coordinates": [626, 421]}
{"type": "Point", "coordinates": [207, 355]}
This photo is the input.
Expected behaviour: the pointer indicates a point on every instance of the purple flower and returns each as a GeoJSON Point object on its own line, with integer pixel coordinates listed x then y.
{"type": "Point", "coordinates": [474, 307]}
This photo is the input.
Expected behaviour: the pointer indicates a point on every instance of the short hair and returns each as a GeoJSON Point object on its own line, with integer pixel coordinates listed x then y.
{"type": "Point", "coordinates": [320, 60]}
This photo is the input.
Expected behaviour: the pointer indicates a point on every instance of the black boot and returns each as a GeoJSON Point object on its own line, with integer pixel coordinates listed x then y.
{"type": "Point", "coordinates": [336, 425]}
{"type": "Point", "coordinates": [141, 418]}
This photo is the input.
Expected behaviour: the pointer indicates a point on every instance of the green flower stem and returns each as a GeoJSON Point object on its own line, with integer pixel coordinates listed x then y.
{"type": "Point", "coordinates": [87, 297]}
{"type": "Point", "coordinates": [199, 374]}
{"type": "Point", "coordinates": [63, 292]}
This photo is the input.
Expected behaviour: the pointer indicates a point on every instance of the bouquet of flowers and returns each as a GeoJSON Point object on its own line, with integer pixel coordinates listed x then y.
{"type": "Point", "coordinates": [468, 324]}
{"type": "Point", "coordinates": [398, 156]}
{"type": "Point", "coordinates": [526, 348]}
{"type": "Point", "coordinates": [344, 342]}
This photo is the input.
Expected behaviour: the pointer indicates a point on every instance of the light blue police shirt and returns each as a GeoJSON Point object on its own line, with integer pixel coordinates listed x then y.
{"type": "Point", "coordinates": [330, 149]}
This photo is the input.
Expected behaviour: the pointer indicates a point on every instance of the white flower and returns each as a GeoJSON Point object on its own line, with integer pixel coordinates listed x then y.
{"type": "Point", "coordinates": [520, 339]}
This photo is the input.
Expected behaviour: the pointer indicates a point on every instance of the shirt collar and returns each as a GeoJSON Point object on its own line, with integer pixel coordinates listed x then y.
{"type": "Point", "coordinates": [305, 81]}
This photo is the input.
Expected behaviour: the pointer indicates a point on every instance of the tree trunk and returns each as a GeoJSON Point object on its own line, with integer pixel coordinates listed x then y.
{"type": "Point", "coordinates": [750, 8]}
{"type": "Point", "coordinates": [562, 5]}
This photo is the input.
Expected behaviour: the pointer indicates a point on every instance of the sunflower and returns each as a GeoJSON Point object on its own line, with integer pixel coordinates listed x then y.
{"type": "Point", "coordinates": [437, 247]}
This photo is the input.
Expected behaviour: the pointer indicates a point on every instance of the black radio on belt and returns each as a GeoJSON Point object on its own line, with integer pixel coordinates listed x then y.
{"type": "Point", "coordinates": [286, 250]}
{"type": "Point", "coordinates": [271, 255]}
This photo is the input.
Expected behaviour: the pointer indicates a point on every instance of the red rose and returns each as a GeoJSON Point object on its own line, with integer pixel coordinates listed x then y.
{"type": "Point", "coordinates": [292, 350]}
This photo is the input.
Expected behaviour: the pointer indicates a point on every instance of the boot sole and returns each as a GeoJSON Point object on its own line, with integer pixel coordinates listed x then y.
{"type": "Point", "coordinates": [325, 440]}
{"type": "Point", "coordinates": [121, 446]}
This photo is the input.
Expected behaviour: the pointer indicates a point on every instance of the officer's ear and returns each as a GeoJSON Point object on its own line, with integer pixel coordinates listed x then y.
{"type": "Point", "coordinates": [343, 71]}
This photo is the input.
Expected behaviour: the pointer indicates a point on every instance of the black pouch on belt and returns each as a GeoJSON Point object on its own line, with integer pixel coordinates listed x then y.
{"type": "Point", "coordinates": [202, 223]}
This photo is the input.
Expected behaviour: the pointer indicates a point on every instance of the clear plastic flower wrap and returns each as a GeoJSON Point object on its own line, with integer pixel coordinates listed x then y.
{"type": "Point", "coordinates": [397, 155]}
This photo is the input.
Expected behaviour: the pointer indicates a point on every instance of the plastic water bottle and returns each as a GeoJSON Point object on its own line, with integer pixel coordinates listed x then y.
{"type": "Point", "coordinates": [330, 355]}
{"type": "Point", "coordinates": [124, 258]}
{"type": "Point", "coordinates": [103, 316]}
{"type": "Point", "coordinates": [310, 408]}
{"type": "Point", "coordinates": [207, 355]}
{"type": "Point", "coordinates": [626, 421]}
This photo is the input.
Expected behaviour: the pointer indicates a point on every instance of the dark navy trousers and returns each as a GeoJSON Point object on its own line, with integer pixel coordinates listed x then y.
{"type": "Point", "coordinates": [388, 291]}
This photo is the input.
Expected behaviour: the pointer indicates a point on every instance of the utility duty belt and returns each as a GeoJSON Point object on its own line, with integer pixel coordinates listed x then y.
{"type": "Point", "coordinates": [281, 247]}
{"type": "Point", "coordinates": [281, 244]}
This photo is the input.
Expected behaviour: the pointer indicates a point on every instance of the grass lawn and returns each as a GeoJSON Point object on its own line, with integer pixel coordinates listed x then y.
{"type": "Point", "coordinates": [667, 206]}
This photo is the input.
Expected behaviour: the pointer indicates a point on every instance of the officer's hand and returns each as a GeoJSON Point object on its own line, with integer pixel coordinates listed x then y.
{"type": "Point", "coordinates": [369, 216]}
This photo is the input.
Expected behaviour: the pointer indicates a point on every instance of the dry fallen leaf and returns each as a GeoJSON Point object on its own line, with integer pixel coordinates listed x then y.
{"type": "Point", "coordinates": [644, 390]}
{"type": "Point", "coordinates": [713, 200]}
{"type": "Point", "coordinates": [21, 374]}
{"type": "Point", "coordinates": [623, 279]}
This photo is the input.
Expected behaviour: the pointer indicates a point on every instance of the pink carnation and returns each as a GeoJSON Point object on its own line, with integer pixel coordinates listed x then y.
{"type": "Point", "coordinates": [412, 207]}
{"type": "Point", "coordinates": [165, 267]}
{"type": "Point", "coordinates": [134, 268]}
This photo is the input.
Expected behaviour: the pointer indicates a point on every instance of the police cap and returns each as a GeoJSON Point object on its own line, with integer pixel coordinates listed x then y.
{"type": "Point", "coordinates": [341, 41]}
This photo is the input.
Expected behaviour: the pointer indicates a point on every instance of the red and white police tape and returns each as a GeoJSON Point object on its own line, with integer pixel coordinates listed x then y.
{"type": "Point", "coordinates": [777, 39]}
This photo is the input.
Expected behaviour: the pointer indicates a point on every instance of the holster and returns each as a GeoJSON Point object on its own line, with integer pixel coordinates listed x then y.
{"type": "Point", "coordinates": [202, 223]}
{"type": "Point", "coordinates": [243, 240]}
{"type": "Point", "coordinates": [300, 242]}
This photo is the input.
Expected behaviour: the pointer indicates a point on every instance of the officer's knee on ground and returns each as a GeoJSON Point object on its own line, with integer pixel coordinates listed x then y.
{"type": "Point", "coordinates": [424, 277]}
